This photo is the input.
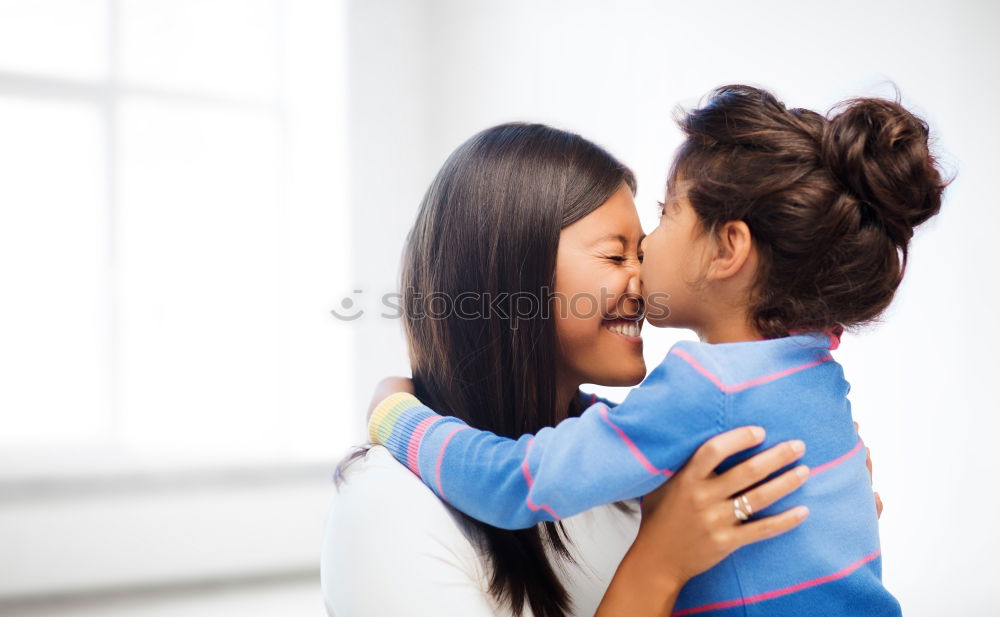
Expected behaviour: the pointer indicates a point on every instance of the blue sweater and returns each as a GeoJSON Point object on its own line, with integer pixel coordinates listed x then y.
{"type": "Point", "coordinates": [828, 565]}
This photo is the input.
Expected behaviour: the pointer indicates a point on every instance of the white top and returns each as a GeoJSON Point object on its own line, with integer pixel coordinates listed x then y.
{"type": "Point", "coordinates": [393, 548]}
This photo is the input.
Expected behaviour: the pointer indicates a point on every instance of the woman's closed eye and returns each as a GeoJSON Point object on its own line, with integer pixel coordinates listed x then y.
{"type": "Point", "coordinates": [623, 259]}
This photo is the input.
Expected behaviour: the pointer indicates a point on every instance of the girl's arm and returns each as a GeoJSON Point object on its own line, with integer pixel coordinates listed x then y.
{"type": "Point", "coordinates": [603, 456]}
{"type": "Point", "coordinates": [688, 524]}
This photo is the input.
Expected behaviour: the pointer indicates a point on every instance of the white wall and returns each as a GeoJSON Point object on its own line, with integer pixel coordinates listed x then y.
{"type": "Point", "coordinates": [172, 237]}
{"type": "Point", "coordinates": [425, 77]}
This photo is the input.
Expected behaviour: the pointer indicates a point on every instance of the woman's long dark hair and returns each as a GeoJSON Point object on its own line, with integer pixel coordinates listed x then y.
{"type": "Point", "coordinates": [488, 227]}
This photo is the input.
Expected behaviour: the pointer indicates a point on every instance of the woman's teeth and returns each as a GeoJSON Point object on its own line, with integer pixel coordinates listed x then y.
{"type": "Point", "coordinates": [627, 328]}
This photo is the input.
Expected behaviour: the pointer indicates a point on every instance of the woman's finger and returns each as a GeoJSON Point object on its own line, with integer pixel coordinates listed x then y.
{"type": "Point", "coordinates": [773, 490]}
{"type": "Point", "coordinates": [868, 452]}
{"type": "Point", "coordinates": [717, 449]}
{"type": "Point", "coordinates": [753, 470]}
{"type": "Point", "coordinates": [765, 528]}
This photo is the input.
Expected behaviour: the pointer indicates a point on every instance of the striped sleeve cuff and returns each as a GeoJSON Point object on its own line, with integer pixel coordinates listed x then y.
{"type": "Point", "coordinates": [394, 422]}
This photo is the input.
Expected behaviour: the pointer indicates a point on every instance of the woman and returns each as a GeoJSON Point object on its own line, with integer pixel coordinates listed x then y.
{"type": "Point", "coordinates": [520, 283]}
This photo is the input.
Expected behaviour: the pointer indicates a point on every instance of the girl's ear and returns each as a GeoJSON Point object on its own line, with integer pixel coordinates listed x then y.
{"type": "Point", "coordinates": [734, 245]}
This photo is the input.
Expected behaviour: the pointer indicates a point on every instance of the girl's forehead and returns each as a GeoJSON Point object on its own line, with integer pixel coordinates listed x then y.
{"type": "Point", "coordinates": [677, 184]}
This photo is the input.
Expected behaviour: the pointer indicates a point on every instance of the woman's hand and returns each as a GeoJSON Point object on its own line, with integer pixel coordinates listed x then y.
{"type": "Point", "coordinates": [868, 463]}
{"type": "Point", "coordinates": [389, 385]}
{"type": "Point", "coordinates": [688, 524]}
{"type": "Point", "coordinates": [693, 514]}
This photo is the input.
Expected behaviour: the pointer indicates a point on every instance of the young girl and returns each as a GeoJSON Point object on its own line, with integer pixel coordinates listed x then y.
{"type": "Point", "coordinates": [780, 228]}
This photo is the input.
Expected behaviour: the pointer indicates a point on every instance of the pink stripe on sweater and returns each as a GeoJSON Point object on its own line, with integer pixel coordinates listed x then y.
{"type": "Point", "coordinates": [535, 508]}
{"type": "Point", "coordinates": [633, 448]}
{"type": "Point", "coordinates": [832, 335]}
{"type": "Point", "coordinates": [437, 467]}
{"type": "Point", "coordinates": [840, 459]}
{"type": "Point", "coordinates": [746, 384]}
{"type": "Point", "coordinates": [770, 595]}
{"type": "Point", "coordinates": [413, 445]}
{"type": "Point", "coordinates": [526, 471]}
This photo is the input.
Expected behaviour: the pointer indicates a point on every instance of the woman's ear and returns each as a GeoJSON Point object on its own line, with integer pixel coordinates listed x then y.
{"type": "Point", "coordinates": [734, 245]}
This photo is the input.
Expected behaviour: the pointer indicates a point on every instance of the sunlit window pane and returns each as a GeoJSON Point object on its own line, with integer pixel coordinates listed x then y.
{"type": "Point", "coordinates": [220, 46]}
{"type": "Point", "coordinates": [200, 279]}
{"type": "Point", "coordinates": [54, 274]}
{"type": "Point", "coordinates": [62, 38]}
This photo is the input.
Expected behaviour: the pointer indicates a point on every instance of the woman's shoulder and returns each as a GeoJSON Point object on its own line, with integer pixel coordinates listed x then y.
{"type": "Point", "coordinates": [391, 545]}
{"type": "Point", "coordinates": [375, 478]}
{"type": "Point", "coordinates": [379, 485]}
{"type": "Point", "coordinates": [380, 497]}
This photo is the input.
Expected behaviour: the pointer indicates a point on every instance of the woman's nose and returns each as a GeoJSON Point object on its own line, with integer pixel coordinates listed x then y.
{"type": "Point", "coordinates": [635, 282]}
{"type": "Point", "coordinates": [631, 303]}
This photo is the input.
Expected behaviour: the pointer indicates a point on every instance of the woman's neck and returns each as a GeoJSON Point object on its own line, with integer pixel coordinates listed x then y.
{"type": "Point", "coordinates": [566, 391]}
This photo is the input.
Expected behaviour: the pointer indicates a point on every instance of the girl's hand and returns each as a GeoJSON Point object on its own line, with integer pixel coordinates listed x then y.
{"type": "Point", "coordinates": [688, 524]}
{"type": "Point", "coordinates": [389, 385]}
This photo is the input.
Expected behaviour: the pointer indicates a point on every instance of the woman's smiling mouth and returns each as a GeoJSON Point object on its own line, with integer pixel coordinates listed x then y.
{"type": "Point", "coordinates": [628, 329]}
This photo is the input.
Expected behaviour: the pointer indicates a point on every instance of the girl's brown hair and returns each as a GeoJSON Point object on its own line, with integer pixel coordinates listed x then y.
{"type": "Point", "coordinates": [489, 226]}
{"type": "Point", "coordinates": [831, 202]}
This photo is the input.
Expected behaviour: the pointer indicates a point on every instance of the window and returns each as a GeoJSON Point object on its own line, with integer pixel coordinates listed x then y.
{"type": "Point", "coordinates": [166, 249]}
{"type": "Point", "coordinates": [172, 238]}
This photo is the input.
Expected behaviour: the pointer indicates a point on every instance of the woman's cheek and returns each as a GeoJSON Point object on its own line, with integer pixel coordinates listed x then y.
{"type": "Point", "coordinates": [575, 339]}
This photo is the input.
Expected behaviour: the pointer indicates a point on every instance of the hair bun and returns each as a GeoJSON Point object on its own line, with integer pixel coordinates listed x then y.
{"type": "Point", "coordinates": [880, 152]}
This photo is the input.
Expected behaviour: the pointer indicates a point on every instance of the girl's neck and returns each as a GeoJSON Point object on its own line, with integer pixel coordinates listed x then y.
{"type": "Point", "coordinates": [729, 330]}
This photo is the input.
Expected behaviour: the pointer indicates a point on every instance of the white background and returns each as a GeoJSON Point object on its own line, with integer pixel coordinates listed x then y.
{"type": "Point", "coordinates": [188, 188]}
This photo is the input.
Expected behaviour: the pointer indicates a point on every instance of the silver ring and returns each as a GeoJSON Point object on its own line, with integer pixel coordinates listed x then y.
{"type": "Point", "coordinates": [741, 516]}
{"type": "Point", "coordinates": [746, 505]}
